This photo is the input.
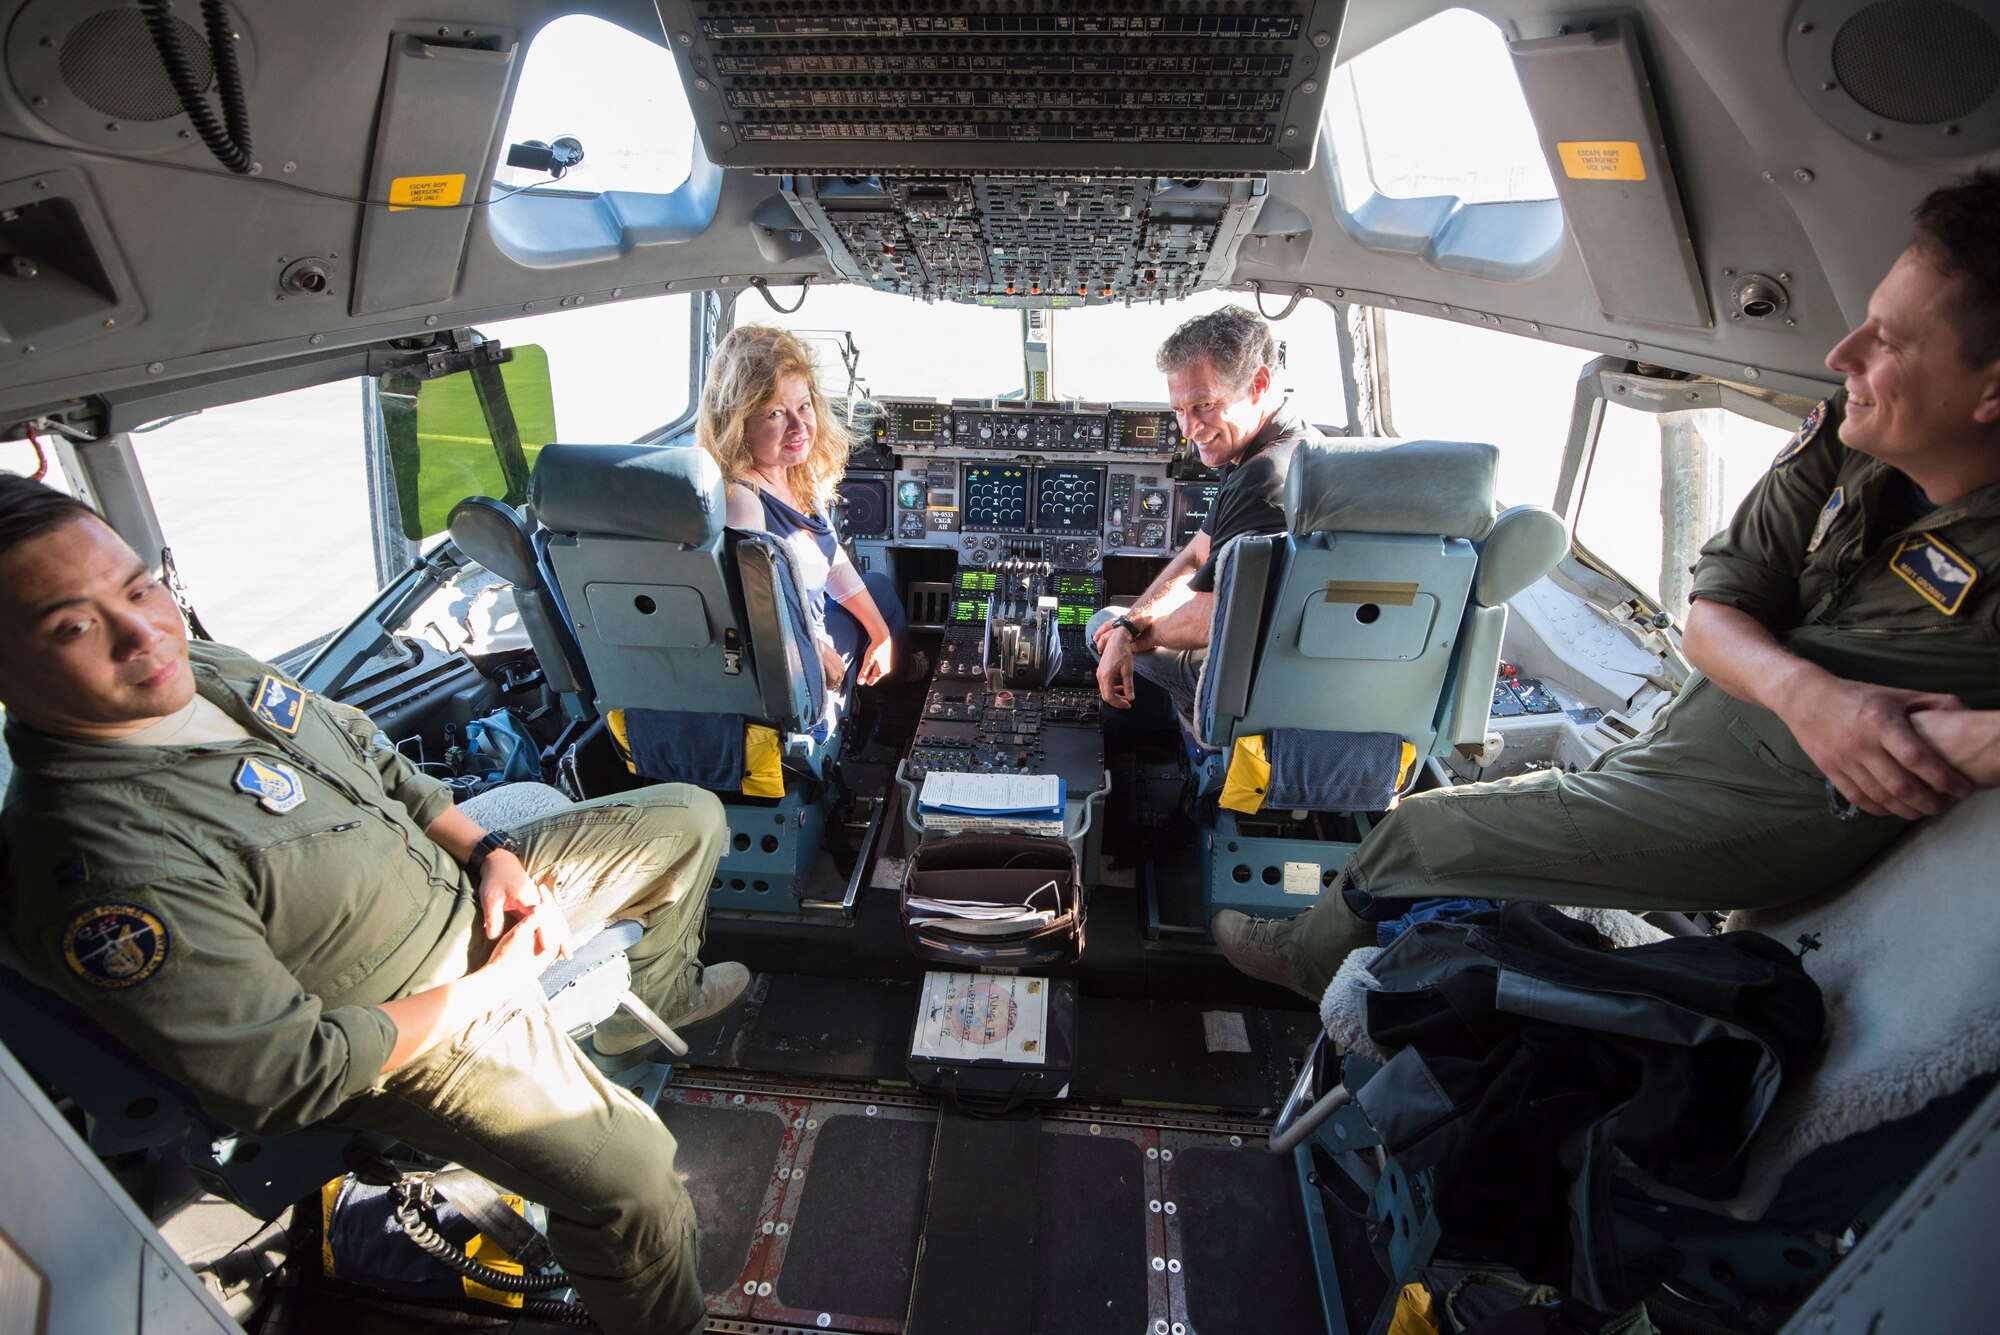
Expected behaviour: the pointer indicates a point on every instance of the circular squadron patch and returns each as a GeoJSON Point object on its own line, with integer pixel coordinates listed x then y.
{"type": "Point", "coordinates": [116, 946]}
{"type": "Point", "coordinates": [1804, 435]}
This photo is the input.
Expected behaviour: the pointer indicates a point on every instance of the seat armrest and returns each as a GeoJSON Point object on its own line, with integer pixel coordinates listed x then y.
{"type": "Point", "coordinates": [1242, 579]}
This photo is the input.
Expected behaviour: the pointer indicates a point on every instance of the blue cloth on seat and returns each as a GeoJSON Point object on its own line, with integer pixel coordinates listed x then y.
{"type": "Point", "coordinates": [1427, 910]}
{"type": "Point", "coordinates": [680, 746]}
{"type": "Point", "coordinates": [1332, 771]}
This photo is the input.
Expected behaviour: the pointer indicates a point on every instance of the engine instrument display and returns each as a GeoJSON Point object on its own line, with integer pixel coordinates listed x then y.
{"type": "Point", "coordinates": [1068, 500]}
{"type": "Point", "coordinates": [996, 498]}
{"type": "Point", "coordinates": [1192, 502]}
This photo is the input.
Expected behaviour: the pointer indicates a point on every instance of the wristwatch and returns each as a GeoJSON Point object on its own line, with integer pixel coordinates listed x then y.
{"type": "Point", "coordinates": [1135, 632]}
{"type": "Point", "coordinates": [494, 841]}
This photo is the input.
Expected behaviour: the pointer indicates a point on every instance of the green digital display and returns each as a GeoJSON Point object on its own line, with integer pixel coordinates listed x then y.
{"type": "Point", "coordinates": [1073, 616]}
{"type": "Point", "coordinates": [968, 610]}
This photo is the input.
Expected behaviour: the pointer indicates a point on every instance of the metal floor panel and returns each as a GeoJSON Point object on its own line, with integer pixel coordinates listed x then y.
{"type": "Point", "coordinates": [1246, 1262]}
{"type": "Point", "coordinates": [1147, 1221]}
{"type": "Point", "coordinates": [1092, 1234]}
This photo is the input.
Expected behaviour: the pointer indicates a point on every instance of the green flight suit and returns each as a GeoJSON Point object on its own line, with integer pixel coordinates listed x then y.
{"type": "Point", "coordinates": [1717, 806]}
{"type": "Point", "coordinates": [237, 912]}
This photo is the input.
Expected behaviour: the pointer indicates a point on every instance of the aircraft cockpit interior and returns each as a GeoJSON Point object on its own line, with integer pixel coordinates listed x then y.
{"type": "Point", "coordinates": [1156, 530]}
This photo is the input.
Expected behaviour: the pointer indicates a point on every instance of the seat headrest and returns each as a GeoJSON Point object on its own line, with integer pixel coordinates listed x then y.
{"type": "Point", "coordinates": [671, 493]}
{"type": "Point", "coordinates": [1374, 485]}
{"type": "Point", "coordinates": [491, 533]}
{"type": "Point", "coordinates": [1525, 544]}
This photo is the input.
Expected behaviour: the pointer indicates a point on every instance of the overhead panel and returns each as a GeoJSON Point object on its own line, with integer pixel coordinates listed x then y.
{"type": "Point", "coordinates": [1163, 86]}
{"type": "Point", "coordinates": [434, 143]}
{"type": "Point", "coordinates": [1593, 107]}
{"type": "Point", "coordinates": [1043, 241]}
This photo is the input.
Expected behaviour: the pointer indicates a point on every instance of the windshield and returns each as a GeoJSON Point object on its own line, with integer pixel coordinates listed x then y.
{"type": "Point", "coordinates": [1101, 353]}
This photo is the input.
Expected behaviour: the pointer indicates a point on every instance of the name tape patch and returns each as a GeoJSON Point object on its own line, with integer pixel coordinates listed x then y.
{"type": "Point", "coordinates": [275, 786]}
{"type": "Point", "coordinates": [1804, 435]}
{"type": "Point", "coordinates": [116, 946]}
{"type": "Point", "coordinates": [1940, 575]}
{"type": "Point", "coordinates": [279, 704]}
{"type": "Point", "coordinates": [1827, 514]}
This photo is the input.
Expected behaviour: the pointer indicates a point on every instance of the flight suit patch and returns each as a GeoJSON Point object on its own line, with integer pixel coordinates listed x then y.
{"type": "Point", "coordinates": [1804, 435]}
{"type": "Point", "coordinates": [279, 704]}
{"type": "Point", "coordinates": [116, 946]}
{"type": "Point", "coordinates": [1827, 514]}
{"type": "Point", "coordinates": [1939, 575]}
{"type": "Point", "coordinates": [275, 786]}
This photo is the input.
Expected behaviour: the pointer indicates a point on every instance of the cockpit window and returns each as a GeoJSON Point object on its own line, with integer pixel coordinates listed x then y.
{"type": "Point", "coordinates": [1435, 110]}
{"type": "Point", "coordinates": [618, 370]}
{"type": "Point", "coordinates": [1100, 353]}
{"type": "Point", "coordinates": [1450, 381]}
{"type": "Point", "coordinates": [265, 504]}
{"type": "Point", "coordinates": [907, 348]}
{"type": "Point", "coordinates": [1661, 486]}
{"type": "Point", "coordinates": [1106, 353]}
{"type": "Point", "coordinates": [614, 92]}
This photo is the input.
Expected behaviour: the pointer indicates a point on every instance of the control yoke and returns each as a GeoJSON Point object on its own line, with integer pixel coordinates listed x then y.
{"type": "Point", "coordinates": [1023, 638]}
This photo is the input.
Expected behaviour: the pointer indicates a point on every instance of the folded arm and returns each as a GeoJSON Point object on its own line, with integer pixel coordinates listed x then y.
{"type": "Point", "coordinates": [1861, 735]}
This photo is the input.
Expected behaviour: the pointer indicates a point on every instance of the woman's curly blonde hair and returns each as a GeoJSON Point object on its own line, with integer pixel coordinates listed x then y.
{"type": "Point", "coordinates": [743, 380]}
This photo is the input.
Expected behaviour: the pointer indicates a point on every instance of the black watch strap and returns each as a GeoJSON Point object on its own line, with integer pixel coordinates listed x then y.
{"type": "Point", "coordinates": [494, 841]}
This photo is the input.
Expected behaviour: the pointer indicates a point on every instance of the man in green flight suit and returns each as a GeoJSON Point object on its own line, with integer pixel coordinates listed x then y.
{"type": "Point", "coordinates": [269, 904]}
{"type": "Point", "coordinates": [1846, 632]}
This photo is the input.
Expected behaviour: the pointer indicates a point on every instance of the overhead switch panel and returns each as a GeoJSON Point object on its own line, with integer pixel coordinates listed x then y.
{"type": "Point", "coordinates": [1028, 241]}
{"type": "Point", "coordinates": [1167, 86]}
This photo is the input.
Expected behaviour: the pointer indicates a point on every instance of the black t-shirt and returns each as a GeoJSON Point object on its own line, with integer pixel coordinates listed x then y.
{"type": "Point", "coordinates": [1252, 496]}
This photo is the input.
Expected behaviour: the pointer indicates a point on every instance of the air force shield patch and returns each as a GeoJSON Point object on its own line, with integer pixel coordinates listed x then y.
{"type": "Point", "coordinates": [1940, 575]}
{"type": "Point", "coordinates": [1803, 437]}
{"type": "Point", "coordinates": [279, 705]}
{"type": "Point", "coordinates": [275, 786]}
{"type": "Point", "coordinates": [115, 946]}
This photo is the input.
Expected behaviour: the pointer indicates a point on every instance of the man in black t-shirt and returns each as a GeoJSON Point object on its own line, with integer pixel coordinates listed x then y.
{"type": "Point", "coordinates": [1219, 379]}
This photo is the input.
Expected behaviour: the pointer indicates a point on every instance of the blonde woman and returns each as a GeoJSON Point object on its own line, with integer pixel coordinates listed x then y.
{"type": "Point", "coordinates": [768, 426]}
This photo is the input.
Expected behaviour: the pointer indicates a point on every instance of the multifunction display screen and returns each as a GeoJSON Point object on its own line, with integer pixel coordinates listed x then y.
{"type": "Point", "coordinates": [996, 498]}
{"type": "Point", "coordinates": [1068, 500]}
{"type": "Point", "coordinates": [1192, 502]}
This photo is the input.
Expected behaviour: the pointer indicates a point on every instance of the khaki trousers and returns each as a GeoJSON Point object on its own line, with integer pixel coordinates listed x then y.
{"type": "Point", "coordinates": [1716, 808]}
{"type": "Point", "coordinates": [514, 1100]}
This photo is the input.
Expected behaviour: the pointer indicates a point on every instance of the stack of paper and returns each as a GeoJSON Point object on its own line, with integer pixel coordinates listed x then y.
{"type": "Point", "coordinates": [1012, 803]}
{"type": "Point", "coordinates": [970, 917]}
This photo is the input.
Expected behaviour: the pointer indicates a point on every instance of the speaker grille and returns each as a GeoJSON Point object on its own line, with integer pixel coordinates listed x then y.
{"type": "Point", "coordinates": [109, 62]}
{"type": "Point", "coordinates": [1918, 62]}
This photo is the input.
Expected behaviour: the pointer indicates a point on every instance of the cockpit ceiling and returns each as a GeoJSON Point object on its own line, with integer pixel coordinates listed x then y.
{"type": "Point", "coordinates": [998, 152]}
{"type": "Point", "coordinates": [1028, 241]}
{"type": "Point", "coordinates": [1166, 87]}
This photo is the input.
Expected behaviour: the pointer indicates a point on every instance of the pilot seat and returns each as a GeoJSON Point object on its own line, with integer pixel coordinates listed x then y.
{"type": "Point", "coordinates": [698, 648]}
{"type": "Point", "coordinates": [1347, 651]}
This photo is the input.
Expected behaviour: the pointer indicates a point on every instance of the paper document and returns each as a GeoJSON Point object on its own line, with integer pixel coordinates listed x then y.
{"type": "Point", "coordinates": [986, 926]}
{"type": "Point", "coordinates": [971, 1017]}
{"type": "Point", "coordinates": [992, 794]}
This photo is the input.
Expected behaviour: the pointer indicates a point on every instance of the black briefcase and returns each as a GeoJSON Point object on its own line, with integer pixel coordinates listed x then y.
{"type": "Point", "coordinates": [1029, 1024]}
{"type": "Point", "coordinates": [1000, 871]}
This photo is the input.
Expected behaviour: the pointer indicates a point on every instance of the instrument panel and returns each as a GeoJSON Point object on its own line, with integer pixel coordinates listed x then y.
{"type": "Point", "coordinates": [1064, 483]}
{"type": "Point", "coordinates": [990, 426]}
